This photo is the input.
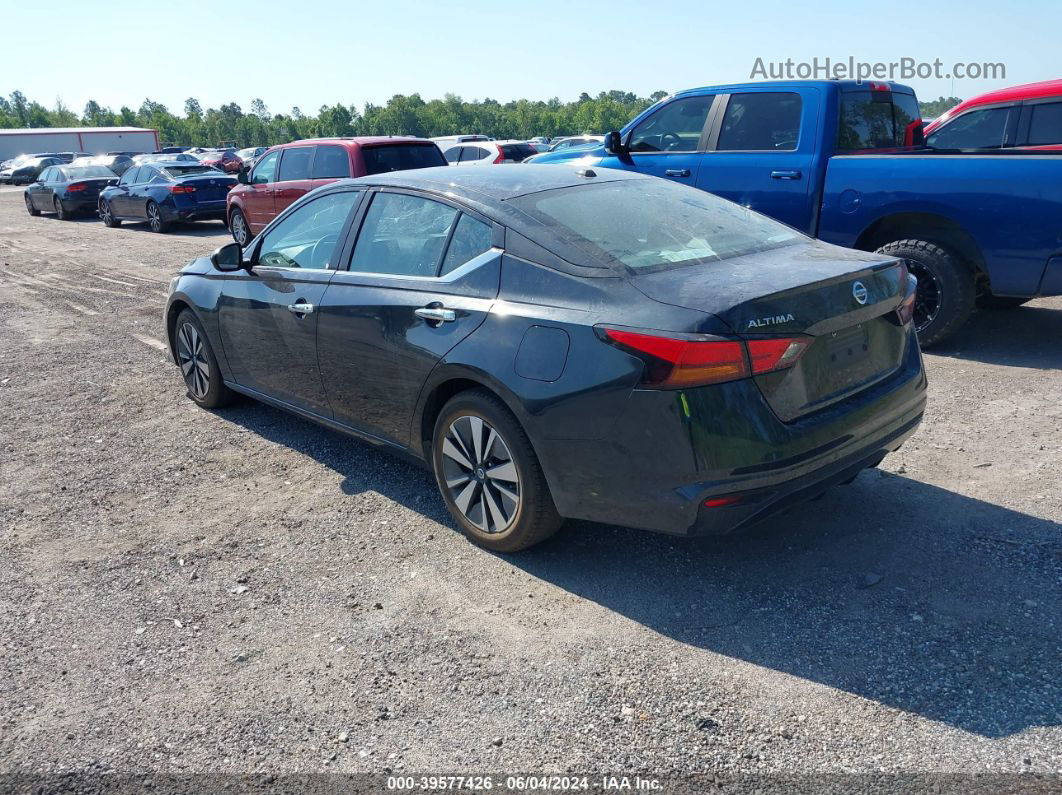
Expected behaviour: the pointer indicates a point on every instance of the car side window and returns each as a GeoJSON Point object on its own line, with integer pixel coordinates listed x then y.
{"type": "Point", "coordinates": [473, 153]}
{"type": "Point", "coordinates": [761, 122]}
{"type": "Point", "coordinates": [978, 129]}
{"type": "Point", "coordinates": [331, 162]}
{"type": "Point", "coordinates": [46, 175]}
{"type": "Point", "coordinates": [265, 169]}
{"type": "Point", "coordinates": [452, 154]}
{"type": "Point", "coordinates": [308, 236]}
{"type": "Point", "coordinates": [676, 127]}
{"type": "Point", "coordinates": [295, 163]}
{"type": "Point", "coordinates": [146, 175]}
{"type": "Point", "coordinates": [470, 239]}
{"type": "Point", "coordinates": [1045, 124]}
{"type": "Point", "coordinates": [402, 235]}
{"type": "Point", "coordinates": [129, 177]}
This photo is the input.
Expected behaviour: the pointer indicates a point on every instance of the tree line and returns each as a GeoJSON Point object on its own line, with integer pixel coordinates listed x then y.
{"type": "Point", "coordinates": [401, 115]}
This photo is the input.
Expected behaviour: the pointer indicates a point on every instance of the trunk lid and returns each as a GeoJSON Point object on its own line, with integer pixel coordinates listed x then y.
{"type": "Point", "coordinates": [209, 187]}
{"type": "Point", "coordinates": [843, 302]}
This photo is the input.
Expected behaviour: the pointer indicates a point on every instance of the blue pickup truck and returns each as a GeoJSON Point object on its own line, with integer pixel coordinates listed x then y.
{"type": "Point", "coordinates": [845, 161]}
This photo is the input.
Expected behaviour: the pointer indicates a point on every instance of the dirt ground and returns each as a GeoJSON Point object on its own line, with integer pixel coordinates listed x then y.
{"type": "Point", "coordinates": [242, 591]}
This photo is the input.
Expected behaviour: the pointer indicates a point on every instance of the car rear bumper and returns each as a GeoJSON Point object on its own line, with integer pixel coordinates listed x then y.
{"type": "Point", "coordinates": [87, 204]}
{"type": "Point", "coordinates": [673, 450]}
{"type": "Point", "coordinates": [199, 211]}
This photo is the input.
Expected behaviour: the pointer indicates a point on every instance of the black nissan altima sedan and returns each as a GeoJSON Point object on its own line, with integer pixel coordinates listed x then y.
{"type": "Point", "coordinates": [556, 343]}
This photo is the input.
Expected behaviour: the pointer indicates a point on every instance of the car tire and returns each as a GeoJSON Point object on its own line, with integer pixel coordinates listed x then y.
{"type": "Point", "coordinates": [107, 216]}
{"type": "Point", "coordinates": [989, 301]}
{"type": "Point", "coordinates": [494, 488]}
{"type": "Point", "coordinates": [155, 220]}
{"type": "Point", "coordinates": [199, 366]}
{"type": "Point", "coordinates": [29, 206]}
{"type": "Point", "coordinates": [238, 226]}
{"type": "Point", "coordinates": [945, 296]}
{"type": "Point", "coordinates": [60, 210]}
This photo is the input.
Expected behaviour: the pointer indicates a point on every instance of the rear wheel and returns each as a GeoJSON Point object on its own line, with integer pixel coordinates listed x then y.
{"type": "Point", "coordinates": [489, 475]}
{"type": "Point", "coordinates": [60, 210]}
{"type": "Point", "coordinates": [107, 216]}
{"type": "Point", "coordinates": [241, 233]}
{"type": "Point", "coordinates": [945, 296]}
{"type": "Point", "coordinates": [154, 218]}
{"type": "Point", "coordinates": [29, 205]}
{"type": "Point", "coordinates": [199, 366]}
{"type": "Point", "coordinates": [989, 301]}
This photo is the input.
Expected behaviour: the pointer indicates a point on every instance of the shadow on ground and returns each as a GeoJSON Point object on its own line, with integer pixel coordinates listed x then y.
{"type": "Point", "coordinates": [1027, 336]}
{"type": "Point", "coordinates": [891, 589]}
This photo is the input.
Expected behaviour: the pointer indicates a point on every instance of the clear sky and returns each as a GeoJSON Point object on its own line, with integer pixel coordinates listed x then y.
{"type": "Point", "coordinates": [315, 52]}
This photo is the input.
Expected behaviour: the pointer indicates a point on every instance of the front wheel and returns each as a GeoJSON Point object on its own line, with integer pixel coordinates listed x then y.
{"type": "Point", "coordinates": [241, 233]}
{"type": "Point", "coordinates": [489, 475]}
{"type": "Point", "coordinates": [107, 215]}
{"type": "Point", "coordinates": [199, 366]}
{"type": "Point", "coordinates": [945, 296]}
{"type": "Point", "coordinates": [29, 206]}
{"type": "Point", "coordinates": [154, 218]}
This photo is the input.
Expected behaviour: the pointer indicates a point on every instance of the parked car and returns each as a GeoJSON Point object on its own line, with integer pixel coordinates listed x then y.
{"type": "Point", "coordinates": [678, 362]}
{"type": "Point", "coordinates": [539, 139]}
{"type": "Point", "coordinates": [70, 157]}
{"type": "Point", "coordinates": [286, 172]}
{"type": "Point", "coordinates": [119, 164]}
{"type": "Point", "coordinates": [68, 190]}
{"type": "Point", "coordinates": [23, 172]}
{"type": "Point", "coordinates": [172, 150]}
{"type": "Point", "coordinates": [570, 143]}
{"type": "Point", "coordinates": [445, 142]}
{"type": "Point", "coordinates": [158, 157]}
{"type": "Point", "coordinates": [1020, 116]}
{"type": "Point", "coordinates": [225, 160]}
{"type": "Point", "coordinates": [489, 153]}
{"type": "Point", "coordinates": [164, 192]}
{"type": "Point", "coordinates": [843, 161]}
{"type": "Point", "coordinates": [249, 156]}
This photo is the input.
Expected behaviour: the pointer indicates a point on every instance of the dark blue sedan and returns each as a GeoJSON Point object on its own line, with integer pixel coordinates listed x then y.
{"type": "Point", "coordinates": [166, 192]}
{"type": "Point", "coordinates": [68, 190]}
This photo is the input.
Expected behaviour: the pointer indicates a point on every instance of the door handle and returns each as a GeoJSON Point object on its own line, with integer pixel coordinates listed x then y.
{"type": "Point", "coordinates": [302, 308]}
{"type": "Point", "coordinates": [677, 172]}
{"type": "Point", "coordinates": [436, 314]}
{"type": "Point", "coordinates": [785, 175]}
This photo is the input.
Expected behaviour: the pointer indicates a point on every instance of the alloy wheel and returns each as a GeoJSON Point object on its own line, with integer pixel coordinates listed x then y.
{"type": "Point", "coordinates": [154, 217]}
{"type": "Point", "coordinates": [927, 296]}
{"type": "Point", "coordinates": [239, 229]}
{"type": "Point", "coordinates": [480, 474]}
{"type": "Point", "coordinates": [192, 358]}
{"type": "Point", "coordinates": [59, 212]}
{"type": "Point", "coordinates": [105, 212]}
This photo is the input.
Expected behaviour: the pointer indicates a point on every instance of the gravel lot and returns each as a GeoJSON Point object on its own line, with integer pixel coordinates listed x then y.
{"type": "Point", "coordinates": [243, 591]}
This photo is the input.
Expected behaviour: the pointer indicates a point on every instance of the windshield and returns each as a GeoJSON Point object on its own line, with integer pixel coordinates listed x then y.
{"type": "Point", "coordinates": [653, 224]}
{"type": "Point", "coordinates": [399, 157]}
{"type": "Point", "coordinates": [183, 171]}
{"type": "Point", "coordinates": [83, 172]}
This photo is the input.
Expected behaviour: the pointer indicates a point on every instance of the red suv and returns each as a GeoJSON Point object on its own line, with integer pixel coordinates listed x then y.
{"type": "Point", "coordinates": [286, 172]}
{"type": "Point", "coordinates": [1028, 116]}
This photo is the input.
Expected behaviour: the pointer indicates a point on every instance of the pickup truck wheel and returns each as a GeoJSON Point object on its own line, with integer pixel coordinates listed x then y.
{"type": "Point", "coordinates": [945, 296]}
{"type": "Point", "coordinates": [989, 301]}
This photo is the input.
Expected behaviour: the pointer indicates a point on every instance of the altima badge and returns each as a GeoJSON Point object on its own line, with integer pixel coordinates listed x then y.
{"type": "Point", "coordinates": [859, 292]}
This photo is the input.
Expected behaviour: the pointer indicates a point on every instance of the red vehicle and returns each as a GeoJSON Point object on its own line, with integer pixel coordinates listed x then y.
{"type": "Point", "coordinates": [1026, 117]}
{"type": "Point", "coordinates": [286, 172]}
{"type": "Point", "coordinates": [226, 160]}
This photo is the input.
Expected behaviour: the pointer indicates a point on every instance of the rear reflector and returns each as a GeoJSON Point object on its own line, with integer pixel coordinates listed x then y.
{"type": "Point", "coordinates": [674, 362]}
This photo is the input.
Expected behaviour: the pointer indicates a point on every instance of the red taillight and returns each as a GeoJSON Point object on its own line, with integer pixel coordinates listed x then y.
{"type": "Point", "coordinates": [674, 362]}
{"type": "Point", "coordinates": [719, 502]}
{"type": "Point", "coordinates": [500, 158]}
{"type": "Point", "coordinates": [77, 186]}
{"type": "Point", "coordinates": [776, 353]}
{"type": "Point", "coordinates": [182, 189]}
{"type": "Point", "coordinates": [880, 87]}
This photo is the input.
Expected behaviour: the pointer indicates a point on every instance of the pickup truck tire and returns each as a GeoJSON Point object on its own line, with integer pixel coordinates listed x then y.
{"type": "Point", "coordinates": [946, 292]}
{"type": "Point", "coordinates": [989, 301]}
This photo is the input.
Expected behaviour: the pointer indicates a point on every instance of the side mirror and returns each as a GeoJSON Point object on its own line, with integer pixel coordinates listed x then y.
{"type": "Point", "coordinates": [614, 144]}
{"type": "Point", "coordinates": [228, 258]}
{"type": "Point", "coordinates": [243, 176]}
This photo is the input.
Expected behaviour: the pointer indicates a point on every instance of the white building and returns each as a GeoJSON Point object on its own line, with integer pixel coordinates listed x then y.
{"type": "Point", "coordinates": [94, 140]}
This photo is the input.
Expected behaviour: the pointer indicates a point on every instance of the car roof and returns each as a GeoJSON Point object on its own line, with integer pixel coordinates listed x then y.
{"type": "Point", "coordinates": [1041, 90]}
{"type": "Point", "coordinates": [844, 85]}
{"type": "Point", "coordinates": [168, 163]}
{"type": "Point", "coordinates": [357, 141]}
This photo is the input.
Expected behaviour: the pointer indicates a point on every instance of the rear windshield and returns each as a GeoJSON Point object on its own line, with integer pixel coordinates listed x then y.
{"type": "Point", "coordinates": [399, 157]}
{"type": "Point", "coordinates": [84, 172]}
{"type": "Point", "coordinates": [653, 224]}
{"type": "Point", "coordinates": [878, 120]}
{"type": "Point", "coordinates": [518, 151]}
{"type": "Point", "coordinates": [184, 171]}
